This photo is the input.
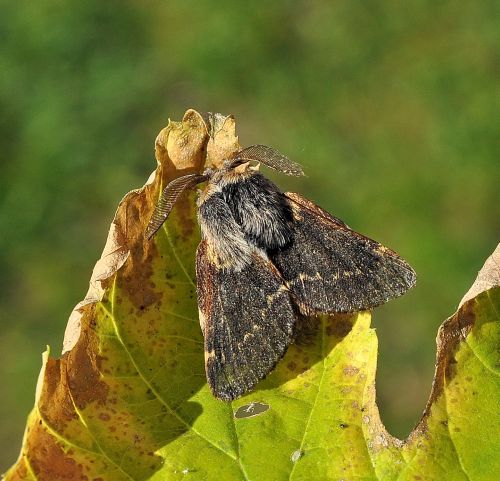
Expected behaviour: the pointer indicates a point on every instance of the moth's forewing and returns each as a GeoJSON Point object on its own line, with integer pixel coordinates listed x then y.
{"type": "Point", "coordinates": [331, 268]}
{"type": "Point", "coordinates": [247, 320]}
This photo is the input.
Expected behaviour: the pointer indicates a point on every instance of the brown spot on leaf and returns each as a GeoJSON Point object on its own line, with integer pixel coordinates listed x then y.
{"type": "Point", "coordinates": [350, 370]}
{"type": "Point", "coordinates": [135, 279]}
{"type": "Point", "coordinates": [82, 373]}
{"type": "Point", "coordinates": [49, 462]}
{"type": "Point", "coordinates": [55, 404]}
{"type": "Point", "coordinates": [185, 220]}
{"type": "Point", "coordinates": [340, 325]}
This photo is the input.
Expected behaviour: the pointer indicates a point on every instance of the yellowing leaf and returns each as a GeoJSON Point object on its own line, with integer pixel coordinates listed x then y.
{"type": "Point", "coordinates": [128, 399]}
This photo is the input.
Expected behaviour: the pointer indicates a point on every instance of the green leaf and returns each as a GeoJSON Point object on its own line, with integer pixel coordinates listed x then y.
{"type": "Point", "coordinates": [128, 399]}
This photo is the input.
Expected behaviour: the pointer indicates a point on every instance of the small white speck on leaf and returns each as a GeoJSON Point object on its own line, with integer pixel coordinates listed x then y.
{"type": "Point", "coordinates": [383, 440]}
{"type": "Point", "coordinates": [251, 410]}
{"type": "Point", "coordinates": [296, 455]}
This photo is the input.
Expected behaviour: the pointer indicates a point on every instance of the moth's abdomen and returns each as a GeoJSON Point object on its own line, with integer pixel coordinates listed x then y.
{"type": "Point", "coordinates": [261, 210]}
{"type": "Point", "coordinates": [228, 245]}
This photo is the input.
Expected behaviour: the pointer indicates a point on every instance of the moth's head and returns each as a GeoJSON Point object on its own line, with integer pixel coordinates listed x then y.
{"type": "Point", "coordinates": [230, 169]}
{"type": "Point", "coordinates": [242, 161]}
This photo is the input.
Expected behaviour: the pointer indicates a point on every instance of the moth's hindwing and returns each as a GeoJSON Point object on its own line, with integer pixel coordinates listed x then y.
{"type": "Point", "coordinates": [247, 321]}
{"type": "Point", "coordinates": [330, 268]}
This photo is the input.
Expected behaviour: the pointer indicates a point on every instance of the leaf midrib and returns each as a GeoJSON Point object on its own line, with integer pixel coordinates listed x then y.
{"type": "Point", "coordinates": [316, 397]}
{"type": "Point", "coordinates": [143, 378]}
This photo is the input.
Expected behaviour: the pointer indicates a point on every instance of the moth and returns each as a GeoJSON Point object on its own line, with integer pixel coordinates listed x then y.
{"type": "Point", "coordinates": [267, 258]}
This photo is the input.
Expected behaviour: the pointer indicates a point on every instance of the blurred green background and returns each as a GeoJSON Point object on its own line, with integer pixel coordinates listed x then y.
{"type": "Point", "coordinates": [392, 107]}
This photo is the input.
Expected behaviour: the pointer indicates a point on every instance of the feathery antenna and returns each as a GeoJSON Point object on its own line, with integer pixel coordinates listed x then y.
{"type": "Point", "coordinates": [168, 199]}
{"type": "Point", "coordinates": [270, 157]}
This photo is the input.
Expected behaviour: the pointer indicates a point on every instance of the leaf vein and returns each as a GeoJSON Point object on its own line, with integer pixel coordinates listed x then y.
{"type": "Point", "coordinates": [101, 450]}
{"type": "Point", "coordinates": [174, 252]}
{"type": "Point", "coordinates": [153, 390]}
{"type": "Point", "coordinates": [317, 394]}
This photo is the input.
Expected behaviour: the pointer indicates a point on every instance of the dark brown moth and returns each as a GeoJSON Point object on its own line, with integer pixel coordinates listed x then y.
{"type": "Point", "coordinates": [265, 258]}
